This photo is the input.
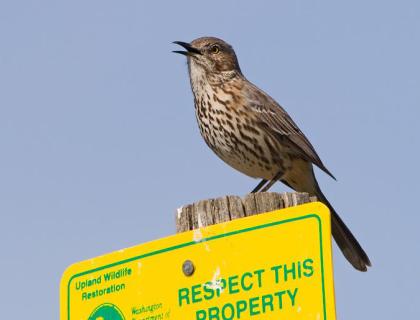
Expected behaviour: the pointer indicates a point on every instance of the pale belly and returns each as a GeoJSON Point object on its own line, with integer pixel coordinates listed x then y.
{"type": "Point", "coordinates": [250, 166]}
{"type": "Point", "coordinates": [249, 151]}
{"type": "Point", "coordinates": [297, 173]}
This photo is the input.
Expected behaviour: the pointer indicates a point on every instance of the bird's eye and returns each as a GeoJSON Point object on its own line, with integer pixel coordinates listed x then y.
{"type": "Point", "coordinates": [215, 49]}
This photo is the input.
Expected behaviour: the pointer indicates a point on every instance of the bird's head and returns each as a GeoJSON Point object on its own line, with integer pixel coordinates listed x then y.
{"type": "Point", "coordinates": [212, 55]}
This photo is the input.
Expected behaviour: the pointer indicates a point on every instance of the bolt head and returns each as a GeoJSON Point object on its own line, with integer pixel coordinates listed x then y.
{"type": "Point", "coordinates": [188, 268]}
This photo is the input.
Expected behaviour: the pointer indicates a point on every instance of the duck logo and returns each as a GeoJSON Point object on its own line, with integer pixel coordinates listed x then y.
{"type": "Point", "coordinates": [106, 311]}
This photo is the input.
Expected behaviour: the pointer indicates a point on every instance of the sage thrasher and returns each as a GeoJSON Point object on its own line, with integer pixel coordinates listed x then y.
{"type": "Point", "coordinates": [252, 133]}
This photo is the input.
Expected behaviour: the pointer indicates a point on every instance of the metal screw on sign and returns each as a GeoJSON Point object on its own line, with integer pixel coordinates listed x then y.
{"type": "Point", "coordinates": [188, 268]}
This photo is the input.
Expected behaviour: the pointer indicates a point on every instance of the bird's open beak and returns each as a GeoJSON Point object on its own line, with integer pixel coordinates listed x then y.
{"type": "Point", "coordinates": [191, 51]}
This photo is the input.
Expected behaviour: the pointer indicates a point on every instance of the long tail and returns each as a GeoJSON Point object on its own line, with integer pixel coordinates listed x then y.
{"type": "Point", "coordinates": [345, 239]}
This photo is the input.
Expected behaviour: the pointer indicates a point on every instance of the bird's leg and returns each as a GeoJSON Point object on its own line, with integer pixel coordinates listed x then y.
{"type": "Point", "coordinates": [272, 181]}
{"type": "Point", "coordinates": [259, 186]}
{"type": "Point", "coordinates": [268, 185]}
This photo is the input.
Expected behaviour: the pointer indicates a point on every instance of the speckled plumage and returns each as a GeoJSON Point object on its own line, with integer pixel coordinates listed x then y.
{"type": "Point", "coordinates": [252, 133]}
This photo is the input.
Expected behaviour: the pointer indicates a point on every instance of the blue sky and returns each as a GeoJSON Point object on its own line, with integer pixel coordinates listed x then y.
{"type": "Point", "coordinates": [97, 125]}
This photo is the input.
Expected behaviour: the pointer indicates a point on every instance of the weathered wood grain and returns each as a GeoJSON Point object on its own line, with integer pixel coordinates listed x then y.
{"type": "Point", "coordinates": [212, 211]}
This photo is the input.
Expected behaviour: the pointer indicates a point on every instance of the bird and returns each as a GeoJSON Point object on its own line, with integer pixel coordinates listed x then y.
{"type": "Point", "coordinates": [254, 134]}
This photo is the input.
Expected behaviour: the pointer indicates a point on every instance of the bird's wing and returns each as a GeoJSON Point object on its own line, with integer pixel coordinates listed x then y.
{"type": "Point", "coordinates": [281, 126]}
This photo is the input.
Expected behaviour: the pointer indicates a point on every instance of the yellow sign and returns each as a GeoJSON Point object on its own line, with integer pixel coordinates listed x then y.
{"type": "Point", "coordinates": [276, 265]}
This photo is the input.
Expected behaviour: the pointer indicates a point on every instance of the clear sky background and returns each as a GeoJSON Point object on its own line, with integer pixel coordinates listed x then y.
{"type": "Point", "coordinates": [97, 126]}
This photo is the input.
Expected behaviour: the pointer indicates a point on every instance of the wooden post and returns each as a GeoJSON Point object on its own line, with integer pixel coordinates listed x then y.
{"type": "Point", "coordinates": [212, 211]}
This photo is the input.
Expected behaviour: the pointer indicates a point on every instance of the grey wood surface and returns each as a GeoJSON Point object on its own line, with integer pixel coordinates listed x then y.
{"type": "Point", "coordinates": [212, 211]}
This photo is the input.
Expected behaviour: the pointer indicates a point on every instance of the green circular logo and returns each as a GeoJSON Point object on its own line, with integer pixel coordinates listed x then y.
{"type": "Point", "coordinates": [106, 311]}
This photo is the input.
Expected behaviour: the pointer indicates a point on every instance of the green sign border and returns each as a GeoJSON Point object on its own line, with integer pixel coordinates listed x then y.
{"type": "Point", "coordinates": [224, 235]}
